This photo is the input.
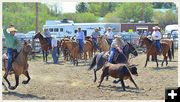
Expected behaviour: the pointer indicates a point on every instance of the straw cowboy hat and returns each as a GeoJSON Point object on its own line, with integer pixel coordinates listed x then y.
{"type": "Point", "coordinates": [96, 28]}
{"type": "Point", "coordinates": [156, 27]}
{"type": "Point", "coordinates": [11, 29]}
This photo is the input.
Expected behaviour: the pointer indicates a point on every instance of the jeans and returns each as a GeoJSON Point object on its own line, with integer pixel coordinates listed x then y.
{"type": "Point", "coordinates": [48, 40]}
{"type": "Point", "coordinates": [54, 55]}
{"type": "Point", "coordinates": [81, 45]}
{"type": "Point", "coordinates": [112, 53]}
{"type": "Point", "coordinates": [158, 45]}
{"type": "Point", "coordinates": [11, 54]}
{"type": "Point", "coordinates": [110, 41]}
{"type": "Point", "coordinates": [95, 43]}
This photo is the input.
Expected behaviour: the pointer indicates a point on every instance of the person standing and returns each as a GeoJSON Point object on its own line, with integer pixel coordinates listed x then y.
{"type": "Point", "coordinates": [47, 35]}
{"type": "Point", "coordinates": [80, 37]}
{"type": "Point", "coordinates": [156, 37]}
{"type": "Point", "coordinates": [54, 50]}
{"type": "Point", "coordinates": [11, 44]}
{"type": "Point", "coordinates": [94, 35]}
{"type": "Point", "coordinates": [109, 34]}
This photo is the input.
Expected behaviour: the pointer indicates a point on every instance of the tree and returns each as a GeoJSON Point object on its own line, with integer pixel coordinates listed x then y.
{"type": "Point", "coordinates": [82, 7]}
{"type": "Point", "coordinates": [126, 11]}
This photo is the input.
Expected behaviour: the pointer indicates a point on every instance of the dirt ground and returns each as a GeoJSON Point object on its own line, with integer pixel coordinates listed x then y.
{"type": "Point", "coordinates": [68, 82]}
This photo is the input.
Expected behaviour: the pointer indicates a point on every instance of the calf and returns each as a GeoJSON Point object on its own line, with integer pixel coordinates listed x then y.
{"type": "Point", "coordinates": [121, 71]}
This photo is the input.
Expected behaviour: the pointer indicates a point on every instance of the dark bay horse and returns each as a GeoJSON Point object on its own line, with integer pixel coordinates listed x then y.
{"type": "Point", "coordinates": [44, 45]}
{"type": "Point", "coordinates": [19, 66]}
{"type": "Point", "coordinates": [121, 71]}
{"type": "Point", "coordinates": [100, 59]}
{"type": "Point", "coordinates": [151, 49]}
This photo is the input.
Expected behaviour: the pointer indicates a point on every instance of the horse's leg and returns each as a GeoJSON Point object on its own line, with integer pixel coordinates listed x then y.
{"type": "Point", "coordinates": [166, 61]}
{"type": "Point", "coordinates": [27, 75]}
{"type": "Point", "coordinates": [146, 60]}
{"type": "Point", "coordinates": [46, 56]}
{"type": "Point", "coordinates": [123, 85]}
{"type": "Point", "coordinates": [17, 83]}
{"type": "Point", "coordinates": [5, 88]}
{"type": "Point", "coordinates": [156, 60]}
{"type": "Point", "coordinates": [95, 77]}
{"type": "Point", "coordinates": [102, 77]}
{"type": "Point", "coordinates": [131, 79]}
{"type": "Point", "coordinates": [163, 61]}
{"type": "Point", "coordinates": [5, 77]}
{"type": "Point", "coordinates": [107, 78]}
{"type": "Point", "coordinates": [43, 56]}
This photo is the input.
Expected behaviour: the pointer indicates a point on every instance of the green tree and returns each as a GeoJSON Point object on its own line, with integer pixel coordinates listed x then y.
{"type": "Point", "coordinates": [126, 11]}
{"type": "Point", "coordinates": [82, 7]}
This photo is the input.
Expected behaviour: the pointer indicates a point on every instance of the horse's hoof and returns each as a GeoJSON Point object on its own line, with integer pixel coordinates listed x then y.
{"type": "Point", "coordinates": [12, 87]}
{"type": "Point", "coordinates": [115, 82]}
{"type": "Point", "coordinates": [24, 82]}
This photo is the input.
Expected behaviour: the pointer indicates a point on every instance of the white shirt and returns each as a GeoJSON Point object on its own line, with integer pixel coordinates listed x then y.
{"type": "Point", "coordinates": [156, 35]}
{"type": "Point", "coordinates": [109, 34]}
{"type": "Point", "coordinates": [54, 43]}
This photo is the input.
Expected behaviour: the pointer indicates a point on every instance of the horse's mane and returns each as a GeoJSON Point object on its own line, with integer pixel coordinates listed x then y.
{"type": "Point", "coordinates": [148, 40]}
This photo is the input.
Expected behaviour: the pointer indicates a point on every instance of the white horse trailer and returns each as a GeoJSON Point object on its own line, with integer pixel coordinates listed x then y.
{"type": "Point", "coordinates": [60, 30]}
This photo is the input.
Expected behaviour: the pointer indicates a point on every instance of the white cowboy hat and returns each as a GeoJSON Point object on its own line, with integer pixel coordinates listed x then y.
{"type": "Point", "coordinates": [156, 27]}
{"type": "Point", "coordinates": [11, 29]}
{"type": "Point", "coordinates": [117, 36]}
{"type": "Point", "coordinates": [109, 28]}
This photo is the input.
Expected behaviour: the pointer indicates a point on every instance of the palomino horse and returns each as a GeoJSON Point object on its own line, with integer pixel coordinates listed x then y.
{"type": "Point", "coordinates": [44, 45]}
{"type": "Point", "coordinates": [103, 44]}
{"type": "Point", "coordinates": [20, 66]}
{"type": "Point", "coordinates": [151, 49]}
{"type": "Point", "coordinates": [88, 38]}
{"type": "Point", "coordinates": [101, 58]}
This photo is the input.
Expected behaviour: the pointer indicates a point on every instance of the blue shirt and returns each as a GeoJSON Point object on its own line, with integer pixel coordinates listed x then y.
{"type": "Point", "coordinates": [80, 35]}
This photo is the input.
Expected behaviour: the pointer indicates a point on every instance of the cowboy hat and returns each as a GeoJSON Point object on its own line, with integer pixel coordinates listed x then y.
{"type": "Point", "coordinates": [117, 36]}
{"type": "Point", "coordinates": [11, 29]}
{"type": "Point", "coordinates": [96, 28]}
{"type": "Point", "coordinates": [156, 27]}
{"type": "Point", "coordinates": [109, 28]}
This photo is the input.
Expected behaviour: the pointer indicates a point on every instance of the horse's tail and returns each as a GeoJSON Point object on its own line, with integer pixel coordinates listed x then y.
{"type": "Point", "coordinates": [93, 63]}
{"type": "Point", "coordinates": [172, 49]}
{"type": "Point", "coordinates": [169, 54]}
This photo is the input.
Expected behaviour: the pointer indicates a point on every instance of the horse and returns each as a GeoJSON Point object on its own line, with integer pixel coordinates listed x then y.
{"type": "Point", "coordinates": [45, 46]}
{"type": "Point", "coordinates": [101, 58]}
{"type": "Point", "coordinates": [121, 71]}
{"type": "Point", "coordinates": [88, 38]}
{"type": "Point", "coordinates": [103, 44]}
{"type": "Point", "coordinates": [151, 49]}
{"type": "Point", "coordinates": [171, 44]}
{"type": "Point", "coordinates": [73, 48]}
{"type": "Point", "coordinates": [19, 66]}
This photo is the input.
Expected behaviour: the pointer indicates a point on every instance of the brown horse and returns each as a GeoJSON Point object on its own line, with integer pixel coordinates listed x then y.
{"type": "Point", "coordinates": [103, 44]}
{"type": "Point", "coordinates": [121, 71]}
{"type": "Point", "coordinates": [151, 49]}
{"type": "Point", "coordinates": [44, 45]}
{"type": "Point", "coordinates": [171, 44]}
{"type": "Point", "coordinates": [88, 38]}
{"type": "Point", "coordinates": [73, 48]}
{"type": "Point", "coordinates": [20, 66]}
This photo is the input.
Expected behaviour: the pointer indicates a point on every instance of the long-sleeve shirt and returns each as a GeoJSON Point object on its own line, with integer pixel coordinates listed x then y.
{"type": "Point", "coordinates": [54, 43]}
{"type": "Point", "coordinates": [47, 34]}
{"type": "Point", "coordinates": [80, 35]}
{"type": "Point", "coordinates": [115, 44]}
{"type": "Point", "coordinates": [156, 35]}
{"type": "Point", "coordinates": [95, 34]}
{"type": "Point", "coordinates": [109, 34]}
{"type": "Point", "coordinates": [10, 40]}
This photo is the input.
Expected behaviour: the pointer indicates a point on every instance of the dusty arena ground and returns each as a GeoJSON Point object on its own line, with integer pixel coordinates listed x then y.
{"type": "Point", "coordinates": [68, 82]}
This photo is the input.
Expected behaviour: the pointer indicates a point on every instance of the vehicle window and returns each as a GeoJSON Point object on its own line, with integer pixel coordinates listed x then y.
{"type": "Point", "coordinates": [61, 29]}
{"type": "Point", "coordinates": [56, 29]}
{"type": "Point", "coordinates": [51, 29]}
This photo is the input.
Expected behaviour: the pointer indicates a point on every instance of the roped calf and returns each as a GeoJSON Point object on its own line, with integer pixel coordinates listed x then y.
{"type": "Point", "coordinates": [121, 71]}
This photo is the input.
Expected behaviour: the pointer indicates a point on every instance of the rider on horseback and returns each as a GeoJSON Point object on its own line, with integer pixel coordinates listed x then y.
{"type": "Point", "coordinates": [47, 35]}
{"type": "Point", "coordinates": [117, 44]}
{"type": "Point", "coordinates": [109, 34]}
{"type": "Point", "coordinates": [156, 37]}
{"type": "Point", "coordinates": [80, 37]}
{"type": "Point", "coordinates": [94, 35]}
{"type": "Point", "coordinates": [11, 44]}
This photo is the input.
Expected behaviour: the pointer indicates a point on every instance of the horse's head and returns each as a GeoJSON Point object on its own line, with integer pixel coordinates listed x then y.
{"type": "Point", "coordinates": [143, 40]}
{"type": "Point", "coordinates": [129, 48]}
{"type": "Point", "coordinates": [133, 69]}
{"type": "Point", "coordinates": [27, 48]}
{"type": "Point", "coordinates": [38, 35]}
